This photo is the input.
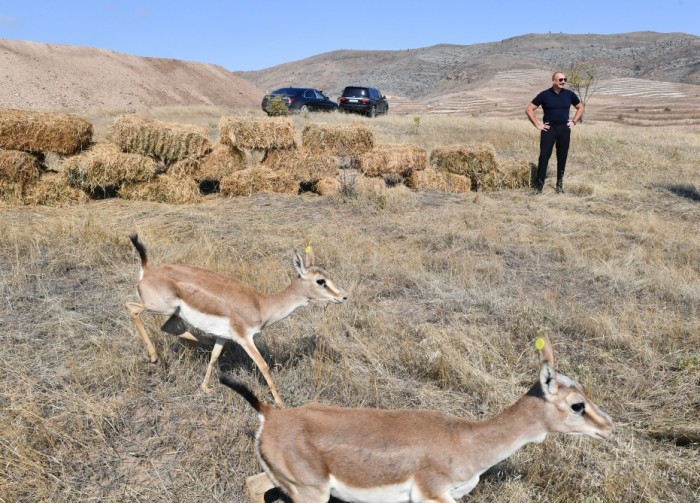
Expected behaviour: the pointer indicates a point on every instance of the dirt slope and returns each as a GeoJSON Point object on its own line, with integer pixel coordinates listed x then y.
{"type": "Point", "coordinates": [38, 76]}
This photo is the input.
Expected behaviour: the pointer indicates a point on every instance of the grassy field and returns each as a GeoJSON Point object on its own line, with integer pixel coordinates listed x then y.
{"type": "Point", "coordinates": [446, 295]}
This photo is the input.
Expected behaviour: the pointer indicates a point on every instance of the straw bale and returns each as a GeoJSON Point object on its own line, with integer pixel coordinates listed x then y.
{"type": "Point", "coordinates": [53, 189]}
{"type": "Point", "coordinates": [302, 165]}
{"type": "Point", "coordinates": [517, 174]}
{"type": "Point", "coordinates": [165, 141]}
{"type": "Point", "coordinates": [439, 180]}
{"type": "Point", "coordinates": [19, 167]}
{"type": "Point", "coordinates": [164, 188]}
{"type": "Point", "coordinates": [105, 165]}
{"type": "Point", "coordinates": [44, 132]}
{"type": "Point", "coordinates": [329, 186]}
{"type": "Point", "coordinates": [257, 179]}
{"type": "Point", "coordinates": [463, 160]}
{"type": "Point", "coordinates": [344, 140]}
{"type": "Point", "coordinates": [393, 159]}
{"type": "Point", "coordinates": [221, 161]}
{"type": "Point", "coordinates": [354, 182]}
{"type": "Point", "coordinates": [264, 133]}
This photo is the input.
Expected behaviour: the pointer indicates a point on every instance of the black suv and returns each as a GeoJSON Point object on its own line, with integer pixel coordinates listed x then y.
{"type": "Point", "coordinates": [301, 99]}
{"type": "Point", "coordinates": [364, 100]}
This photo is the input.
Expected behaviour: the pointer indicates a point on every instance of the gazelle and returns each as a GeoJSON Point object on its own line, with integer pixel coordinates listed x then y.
{"type": "Point", "coordinates": [223, 307]}
{"type": "Point", "coordinates": [390, 456]}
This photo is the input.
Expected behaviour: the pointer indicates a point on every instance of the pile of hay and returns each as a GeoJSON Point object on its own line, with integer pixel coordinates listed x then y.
{"type": "Point", "coordinates": [439, 180]}
{"type": "Point", "coordinates": [53, 189]}
{"type": "Point", "coordinates": [511, 174]}
{"type": "Point", "coordinates": [164, 141]}
{"type": "Point", "coordinates": [18, 167]}
{"type": "Point", "coordinates": [393, 159]}
{"type": "Point", "coordinates": [257, 179]}
{"type": "Point", "coordinates": [163, 189]}
{"type": "Point", "coordinates": [344, 141]}
{"type": "Point", "coordinates": [105, 166]}
{"type": "Point", "coordinates": [329, 186]}
{"type": "Point", "coordinates": [43, 132]}
{"type": "Point", "coordinates": [303, 165]}
{"type": "Point", "coordinates": [261, 134]}
{"type": "Point", "coordinates": [463, 160]}
{"type": "Point", "coordinates": [221, 162]}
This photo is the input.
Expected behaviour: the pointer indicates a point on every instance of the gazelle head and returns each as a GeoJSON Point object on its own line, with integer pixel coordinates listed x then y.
{"type": "Point", "coordinates": [316, 283]}
{"type": "Point", "coordinates": [568, 409]}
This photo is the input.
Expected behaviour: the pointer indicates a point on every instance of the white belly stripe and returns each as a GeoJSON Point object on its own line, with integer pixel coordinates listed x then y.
{"type": "Point", "coordinates": [209, 323]}
{"type": "Point", "coordinates": [396, 493]}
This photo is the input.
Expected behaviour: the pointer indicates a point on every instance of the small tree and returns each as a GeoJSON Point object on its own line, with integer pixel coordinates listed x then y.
{"type": "Point", "coordinates": [583, 79]}
{"type": "Point", "coordinates": [275, 107]}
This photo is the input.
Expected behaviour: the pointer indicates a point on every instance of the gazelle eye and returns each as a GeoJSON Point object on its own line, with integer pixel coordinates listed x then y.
{"type": "Point", "coordinates": [578, 407]}
{"type": "Point", "coordinates": [321, 282]}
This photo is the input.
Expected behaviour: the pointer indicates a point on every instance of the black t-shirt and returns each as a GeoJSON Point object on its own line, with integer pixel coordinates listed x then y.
{"type": "Point", "coordinates": [556, 106]}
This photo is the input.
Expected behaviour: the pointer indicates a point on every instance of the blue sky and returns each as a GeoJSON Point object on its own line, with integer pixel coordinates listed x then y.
{"type": "Point", "coordinates": [254, 34]}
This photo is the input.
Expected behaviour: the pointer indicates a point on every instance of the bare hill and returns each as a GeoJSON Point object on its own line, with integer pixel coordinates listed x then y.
{"type": "Point", "coordinates": [38, 76]}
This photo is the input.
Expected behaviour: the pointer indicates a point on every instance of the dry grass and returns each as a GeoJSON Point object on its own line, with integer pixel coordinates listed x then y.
{"type": "Point", "coordinates": [447, 292]}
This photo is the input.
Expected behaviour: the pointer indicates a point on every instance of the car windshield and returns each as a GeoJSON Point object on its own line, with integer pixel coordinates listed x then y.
{"type": "Point", "coordinates": [355, 92]}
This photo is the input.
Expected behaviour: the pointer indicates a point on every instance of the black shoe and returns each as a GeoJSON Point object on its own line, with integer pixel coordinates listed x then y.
{"type": "Point", "coordinates": [560, 189]}
{"type": "Point", "coordinates": [536, 191]}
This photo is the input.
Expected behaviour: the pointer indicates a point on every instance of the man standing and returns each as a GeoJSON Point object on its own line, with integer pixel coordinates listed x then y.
{"type": "Point", "coordinates": [555, 128]}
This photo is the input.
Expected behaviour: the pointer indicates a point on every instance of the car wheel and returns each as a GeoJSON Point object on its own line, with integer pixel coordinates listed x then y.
{"type": "Point", "coordinates": [373, 112]}
{"type": "Point", "coordinates": [304, 109]}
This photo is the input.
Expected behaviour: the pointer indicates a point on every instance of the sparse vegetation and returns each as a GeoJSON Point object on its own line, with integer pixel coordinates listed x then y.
{"type": "Point", "coordinates": [446, 294]}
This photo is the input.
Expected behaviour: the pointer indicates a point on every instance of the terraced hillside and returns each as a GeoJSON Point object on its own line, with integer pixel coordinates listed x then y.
{"type": "Point", "coordinates": [645, 78]}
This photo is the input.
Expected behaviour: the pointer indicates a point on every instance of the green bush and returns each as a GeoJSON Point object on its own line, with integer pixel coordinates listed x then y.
{"type": "Point", "coordinates": [276, 107]}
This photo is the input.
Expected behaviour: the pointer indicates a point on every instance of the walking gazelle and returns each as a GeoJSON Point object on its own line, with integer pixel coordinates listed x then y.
{"type": "Point", "coordinates": [223, 307]}
{"type": "Point", "coordinates": [316, 451]}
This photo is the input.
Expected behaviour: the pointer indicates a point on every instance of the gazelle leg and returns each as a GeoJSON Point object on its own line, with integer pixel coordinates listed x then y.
{"type": "Point", "coordinates": [202, 339]}
{"type": "Point", "coordinates": [135, 311]}
{"type": "Point", "coordinates": [215, 353]}
{"type": "Point", "coordinates": [255, 355]}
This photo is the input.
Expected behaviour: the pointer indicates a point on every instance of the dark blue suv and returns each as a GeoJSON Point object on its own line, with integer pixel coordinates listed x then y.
{"type": "Point", "coordinates": [364, 100]}
{"type": "Point", "coordinates": [301, 99]}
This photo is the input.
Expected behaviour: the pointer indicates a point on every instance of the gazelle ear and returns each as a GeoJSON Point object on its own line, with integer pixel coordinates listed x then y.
{"type": "Point", "coordinates": [544, 348]}
{"type": "Point", "coordinates": [309, 257]}
{"type": "Point", "coordinates": [548, 379]}
{"type": "Point", "coordinates": [299, 264]}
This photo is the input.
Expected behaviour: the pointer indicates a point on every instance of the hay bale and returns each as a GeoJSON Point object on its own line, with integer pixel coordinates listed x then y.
{"type": "Point", "coordinates": [105, 165]}
{"type": "Point", "coordinates": [264, 134]}
{"type": "Point", "coordinates": [515, 174]}
{"type": "Point", "coordinates": [257, 179]}
{"type": "Point", "coordinates": [164, 141]}
{"type": "Point", "coordinates": [329, 186]}
{"type": "Point", "coordinates": [393, 159]}
{"type": "Point", "coordinates": [303, 165]}
{"type": "Point", "coordinates": [53, 189]}
{"type": "Point", "coordinates": [347, 140]}
{"type": "Point", "coordinates": [164, 188]}
{"type": "Point", "coordinates": [44, 132]}
{"type": "Point", "coordinates": [472, 162]}
{"type": "Point", "coordinates": [439, 180]}
{"type": "Point", "coordinates": [221, 162]}
{"type": "Point", "coordinates": [19, 167]}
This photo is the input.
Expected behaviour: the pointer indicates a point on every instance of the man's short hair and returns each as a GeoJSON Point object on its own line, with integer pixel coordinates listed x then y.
{"type": "Point", "coordinates": [554, 75]}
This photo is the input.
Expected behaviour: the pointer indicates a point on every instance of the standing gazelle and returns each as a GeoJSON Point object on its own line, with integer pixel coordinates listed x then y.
{"type": "Point", "coordinates": [223, 307]}
{"type": "Point", "coordinates": [391, 456]}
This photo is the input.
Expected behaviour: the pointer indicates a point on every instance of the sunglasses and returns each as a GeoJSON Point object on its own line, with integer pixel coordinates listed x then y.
{"type": "Point", "coordinates": [562, 80]}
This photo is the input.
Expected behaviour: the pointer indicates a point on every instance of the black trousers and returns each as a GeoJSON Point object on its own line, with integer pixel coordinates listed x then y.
{"type": "Point", "coordinates": [559, 135]}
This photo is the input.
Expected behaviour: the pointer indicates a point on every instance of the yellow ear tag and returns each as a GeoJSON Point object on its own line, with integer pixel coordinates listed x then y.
{"type": "Point", "coordinates": [308, 248]}
{"type": "Point", "coordinates": [539, 344]}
